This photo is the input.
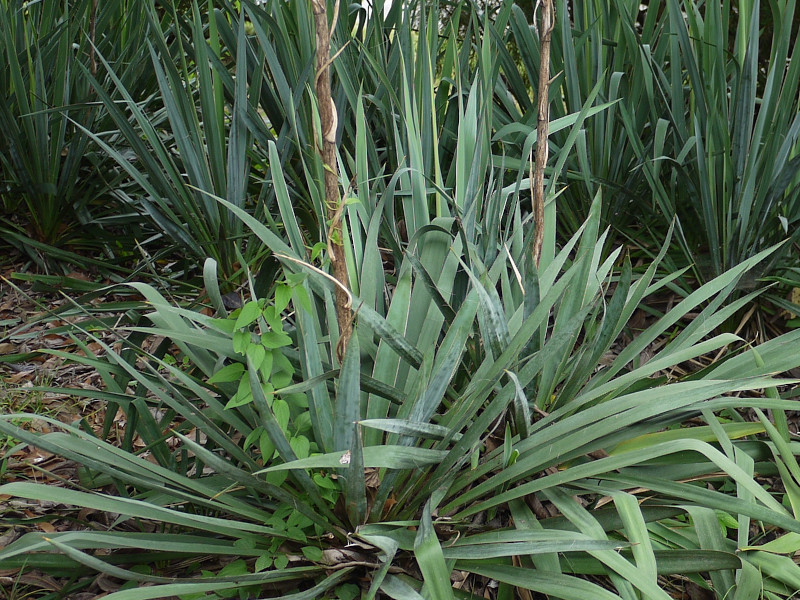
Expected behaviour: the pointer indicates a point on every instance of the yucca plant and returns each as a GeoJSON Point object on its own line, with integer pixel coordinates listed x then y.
{"type": "Point", "coordinates": [596, 53]}
{"type": "Point", "coordinates": [374, 58]}
{"type": "Point", "coordinates": [247, 69]}
{"type": "Point", "coordinates": [52, 176]}
{"type": "Point", "coordinates": [271, 47]}
{"type": "Point", "coordinates": [733, 117]}
{"type": "Point", "coordinates": [486, 420]}
{"type": "Point", "coordinates": [189, 145]}
{"type": "Point", "coordinates": [457, 412]}
{"type": "Point", "coordinates": [267, 449]}
{"type": "Point", "coordinates": [703, 126]}
{"type": "Point", "coordinates": [42, 153]}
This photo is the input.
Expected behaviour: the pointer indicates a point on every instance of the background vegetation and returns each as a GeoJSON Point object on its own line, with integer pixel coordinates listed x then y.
{"type": "Point", "coordinates": [600, 425]}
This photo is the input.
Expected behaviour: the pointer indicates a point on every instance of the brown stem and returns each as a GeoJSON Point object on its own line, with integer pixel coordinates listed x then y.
{"type": "Point", "coordinates": [328, 121]}
{"type": "Point", "coordinates": [92, 30]}
{"type": "Point", "coordinates": [542, 125]}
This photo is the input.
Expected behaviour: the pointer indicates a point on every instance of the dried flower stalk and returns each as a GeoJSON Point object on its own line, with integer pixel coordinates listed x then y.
{"type": "Point", "coordinates": [328, 122]}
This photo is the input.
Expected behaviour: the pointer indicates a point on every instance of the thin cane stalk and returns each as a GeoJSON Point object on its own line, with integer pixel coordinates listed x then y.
{"type": "Point", "coordinates": [546, 26]}
{"type": "Point", "coordinates": [328, 121]}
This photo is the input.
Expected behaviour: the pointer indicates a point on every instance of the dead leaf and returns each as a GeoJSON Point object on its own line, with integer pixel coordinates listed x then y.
{"type": "Point", "coordinates": [22, 375]}
{"type": "Point", "coordinates": [41, 581]}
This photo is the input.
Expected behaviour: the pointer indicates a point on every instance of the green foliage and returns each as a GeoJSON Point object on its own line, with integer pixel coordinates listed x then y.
{"type": "Point", "coordinates": [488, 416]}
{"type": "Point", "coordinates": [703, 127]}
{"type": "Point", "coordinates": [427, 433]}
{"type": "Point", "coordinates": [51, 175]}
{"type": "Point", "coordinates": [735, 175]}
{"type": "Point", "coordinates": [595, 55]}
{"type": "Point", "coordinates": [190, 154]}
{"type": "Point", "coordinates": [41, 153]}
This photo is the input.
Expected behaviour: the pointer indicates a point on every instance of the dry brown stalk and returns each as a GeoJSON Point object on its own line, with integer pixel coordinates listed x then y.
{"type": "Point", "coordinates": [92, 32]}
{"type": "Point", "coordinates": [328, 122]}
{"type": "Point", "coordinates": [546, 26]}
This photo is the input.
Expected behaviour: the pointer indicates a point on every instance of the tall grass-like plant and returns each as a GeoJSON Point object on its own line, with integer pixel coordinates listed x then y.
{"type": "Point", "coordinates": [193, 148]}
{"type": "Point", "coordinates": [42, 153]}
{"type": "Point", "coordinates": [484, 419]}
{"type": "Point", "coordinates": [268, 453]}
{"type": "Point", "coordinates": [596, 53]}
{"type": "Point", "coordinates": [52, 176]}
{"type": "Point", "coordinates": [703, 125]}
{"type": "Point", "coordinates": [734, 119]}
